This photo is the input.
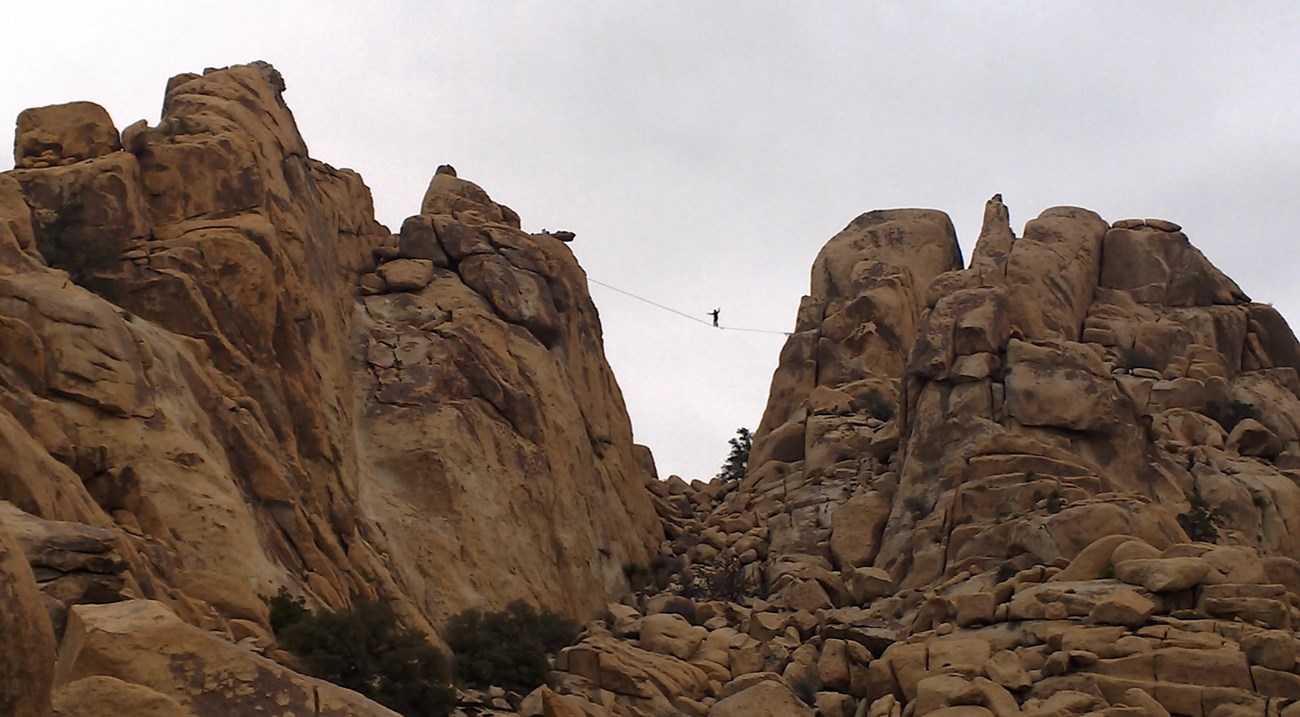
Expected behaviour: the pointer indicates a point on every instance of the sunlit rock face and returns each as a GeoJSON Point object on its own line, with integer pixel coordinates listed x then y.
{"type": "Point", "coordinates": [210, 348]}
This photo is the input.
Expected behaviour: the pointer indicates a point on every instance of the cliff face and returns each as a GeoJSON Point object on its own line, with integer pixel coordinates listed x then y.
{"type": "Point", "coordinates": [209, 347]}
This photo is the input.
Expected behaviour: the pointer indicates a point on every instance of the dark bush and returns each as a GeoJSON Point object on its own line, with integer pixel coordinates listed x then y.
{"type": "Point", "coordinates": [507, 648]}
{"type": "Point", "coordinates": [1202, 522]}
{"type": "Point", "coordinates": [364, 649]}
{"type": "Point", "coordinates": [638, 576]}
{"type": "Point", "coordinates": [1134, 357]}
{"type": "Point", "coordinates": [727, 582]}
{"type": "Point", "coordinates": [1230, 414]}
{"type": "Point", "coordinates": [879, 405]}
{"type": "Point", "coordinates": [738, 460]}
{"type": "Point", "coordinates": [286, 610]}
{"type": "Point", "coordinates": [1055, 502]}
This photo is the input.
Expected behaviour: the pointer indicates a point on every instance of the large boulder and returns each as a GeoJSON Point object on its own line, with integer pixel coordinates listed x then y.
{"type": "Point", "coordinates": [765, 698]}
{"type": "Point", "coordinates": [63, 134]}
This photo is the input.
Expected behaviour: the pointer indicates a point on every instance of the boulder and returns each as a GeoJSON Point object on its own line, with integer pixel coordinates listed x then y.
{"type": "Point", "coordinates": [1251, 438]}
{"type": "Point", "coordinates": [64, 134]}
{"type": "Point", "coordinates": [143, 643]}
{"type": "Point", "coordinates": [406, 274]}
{"type": "Point", "coordinates": [102, 694]}
{"type": "Point", "coordinates": [671, 634]}
{"type": "Point", "coordinates": [765, 698]}
{"type": "Point", "coordinates": [1122, 607]}
{"type": "Point", "coordinates": [1163, 574]}
{"type": "Point", "coordinates": [1274, 649]}
{"type": "Point", "coordinates": [856, 527]}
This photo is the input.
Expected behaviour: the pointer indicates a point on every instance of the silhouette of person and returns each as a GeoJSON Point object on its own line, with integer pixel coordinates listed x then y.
{"type": "Point", "coordinates": [714, 314]}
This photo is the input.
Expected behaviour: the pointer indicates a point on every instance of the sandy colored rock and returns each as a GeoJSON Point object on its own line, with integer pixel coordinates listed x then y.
{"type": "Point", "coordinates": [27, 650]}
{"type": "Point", "coordinates": [63, 134]}
{"type": "Point", "coordinates": [1274, 649]}
{"type": "Point", "coordinates": [1052, 270]}
{"type": "Point", "coordinates": [975, 608]}
{"type": "Point", "coordinates": [867, 584]}
{"type": "Point", "coordinates": [1007, 670]}
{"type": "Point", "coordinates": [671, 634]}
{"type": "Point", "coordinates": [1141, 698]}
{"type": "Point", "coordinates": [102, 694]}
{"type": "Point", "coordinates": [1252, 438]}
{"type": "Point", "coordinates": [1163, 574]}
{"type": "Point", "coordinates": [1158, 266]}
{"type": "Point", "coordinates": [1093, 560]}
{"type": "Point", "coordinates": [855, 529]}
{"type": "Point", "coordinates": [766, 698]}
{"type": "Point", "coordinates": [406, 274]}
{"type": "Point", "coordinates": [944, 690]}
{"type": "Point", "coordinates": [1063, 385]}
{"type": "Point", "coordinates": [143, 643]}
{"type": "Point", "coordinates": [196, 394]}
{"type": "Point", "coordinates": [1122, 607]}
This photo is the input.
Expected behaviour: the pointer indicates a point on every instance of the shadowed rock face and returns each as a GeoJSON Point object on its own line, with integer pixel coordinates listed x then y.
{"type": "Point", "coordinates": [267, 388]}
{"type": "Point", "coordinates": [1081, 380]}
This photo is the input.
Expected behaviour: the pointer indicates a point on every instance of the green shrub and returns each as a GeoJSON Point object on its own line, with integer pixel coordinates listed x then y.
{"type": "Point", "coordinates": [1202, 522]}
{"type": "Point", "coordinates": [507, 648]}
{"type": "Point", "coordinates": [879, 405]}
{"type": "Point", "coordinates": [1055, 502]}
{"type": "Point", "coordinates": [738, 459]}
{"type": "Point", "coordinates": [364, 649]}
{"type": "Point", "coordinates": [728, 582]}
{"type": "Point", "coordinates": [1230, 414]}
{"type": "Point", "coordinates": [286, 610]}
{"type": "Point", "coordinates": [638, 576]}
{"type": "Point", "coordinates": [1134, 357]}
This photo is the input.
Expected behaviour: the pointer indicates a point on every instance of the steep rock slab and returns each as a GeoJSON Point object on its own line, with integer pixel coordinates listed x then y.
{"type": "Point", "coordinates": [498, 453]}
{"type": "Point", "coordinates": [835, 394]}
{"type": "Point", "coordinates": [1052, 270]}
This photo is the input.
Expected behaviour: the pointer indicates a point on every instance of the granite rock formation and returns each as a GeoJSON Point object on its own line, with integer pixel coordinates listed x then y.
{"type": "Point", "coordinates": [220, 376]}
{"type": "Point", "coordinates": [1059, 481]}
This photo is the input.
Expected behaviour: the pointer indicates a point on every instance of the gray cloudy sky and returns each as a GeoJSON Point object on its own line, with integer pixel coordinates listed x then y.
{"type": "Point", "coordinates": [704, 151]}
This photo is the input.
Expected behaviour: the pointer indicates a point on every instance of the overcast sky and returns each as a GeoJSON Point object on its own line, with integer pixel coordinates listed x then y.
{"type": "Point", "coordinates": [704, 151]}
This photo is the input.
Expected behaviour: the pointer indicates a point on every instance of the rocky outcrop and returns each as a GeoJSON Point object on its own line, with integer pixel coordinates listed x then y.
{"type": "Point", "coordinates": [219, 369]}
{"type": "Point", "coordinates": [1060, 481]}
{"type": "Point", "coordinates": [995, 462]}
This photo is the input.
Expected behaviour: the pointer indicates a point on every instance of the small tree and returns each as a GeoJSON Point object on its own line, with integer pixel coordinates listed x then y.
{"type": "Point", "coordinates": [738, 460]}
{"type": "Point", "coordinates": [508, 648]}
{"type": "Point", "coordinates": [364, 649]}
